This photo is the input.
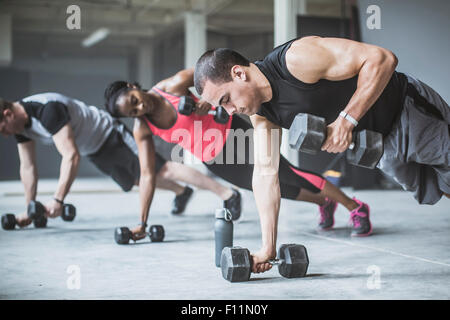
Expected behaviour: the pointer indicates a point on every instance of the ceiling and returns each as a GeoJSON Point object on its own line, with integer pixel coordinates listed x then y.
{"type": "Point", "coordinates": [135, 18]}
{"type": "Point", "coordinates": [147, 18]}
{"type": "Point", "coordinates": [43, 22]}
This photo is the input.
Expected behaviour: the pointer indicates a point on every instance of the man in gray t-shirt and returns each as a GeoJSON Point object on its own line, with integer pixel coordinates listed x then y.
{"type": "Point", "coordinates": [80, 130]}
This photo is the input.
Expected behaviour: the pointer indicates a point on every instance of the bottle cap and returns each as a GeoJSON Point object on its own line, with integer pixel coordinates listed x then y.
{"type": "Point", "coordinates": [223, 213]}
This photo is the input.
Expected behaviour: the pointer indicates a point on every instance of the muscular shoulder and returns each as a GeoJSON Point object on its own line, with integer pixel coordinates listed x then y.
{"type": "Point", "coordinates": [306, 59]}
{"type": "Point", "coordinates": [313, 58]}
{"type": "Point", "coordinates": [179, 83]}
{"type": "Point", "coordinates": [260, 122]}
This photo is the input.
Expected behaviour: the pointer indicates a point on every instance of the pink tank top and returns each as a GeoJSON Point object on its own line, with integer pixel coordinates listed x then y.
{"type": "Point", "coordinates": [200, 135]}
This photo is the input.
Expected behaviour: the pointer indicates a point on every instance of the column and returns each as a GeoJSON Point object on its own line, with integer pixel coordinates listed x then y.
{"type": "Point", "coordinates": [5, 39]}
{"type": "Point", "coordinates": [145, 64]}
{"type": "Point", "coordinates": [285, 29]}
{"type": "Point", "coordinates": [194, 47]}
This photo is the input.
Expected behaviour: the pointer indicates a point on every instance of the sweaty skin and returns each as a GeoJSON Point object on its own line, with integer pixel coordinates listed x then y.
{"type": "Point", "coordinates": [309, 59]}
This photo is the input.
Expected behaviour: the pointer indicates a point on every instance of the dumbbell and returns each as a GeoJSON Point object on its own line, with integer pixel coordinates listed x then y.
{"type": "Point", "coordinates": [36, 212]}
{"type": "Point", "coordinates": [308, 133]}
{"type": "Point", "coordinates": [69, 212]}
{"type": "Point", "coordinates": [236, 262]}
{"type": "Point", "coordinates": [123, 235]}
{"type": "Point", "coordinates": [8, 221]}
{"type": "Point", "coordinates": [186, 107]}
{"type": "Point", "coordinates": [36, 209]}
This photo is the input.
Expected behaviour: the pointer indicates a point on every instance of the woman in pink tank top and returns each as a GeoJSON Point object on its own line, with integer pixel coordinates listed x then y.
{"type": "Point", "coordinates": [156, 113]}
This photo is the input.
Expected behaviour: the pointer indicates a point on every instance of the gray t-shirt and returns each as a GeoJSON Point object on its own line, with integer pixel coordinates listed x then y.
{"type": "Point", "coordinates": [49, 112]}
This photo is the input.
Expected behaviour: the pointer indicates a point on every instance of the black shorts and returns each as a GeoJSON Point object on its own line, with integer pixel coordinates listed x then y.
{"type": "Point", "coordinates": [118, 158]}
{"type": "Point", "coordinates": [417, 150]}
{"type": "Point", "coordinates": [240, 172]}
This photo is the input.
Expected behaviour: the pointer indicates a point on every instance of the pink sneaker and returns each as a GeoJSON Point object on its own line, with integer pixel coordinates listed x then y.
{"type": "Point", "coordinates": [359, 218]}
{"type": "Point", "coordinates": [327, 211]}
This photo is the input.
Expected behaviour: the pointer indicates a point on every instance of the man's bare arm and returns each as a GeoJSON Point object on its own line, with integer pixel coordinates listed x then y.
{"type": "Point", "coordinates": [313, 58]}
{"type": "Point", "coordinates": [28, 169]}
{"type": "Point", "coordinates": [180, 82]}
{"type": "Point", "coordinates": [266, 185]}
{"type": "Point", "coordinates": [65, 143]}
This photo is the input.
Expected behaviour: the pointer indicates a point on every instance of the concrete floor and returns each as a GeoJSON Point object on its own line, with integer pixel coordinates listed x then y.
{"type": "Point", "coordinates": [408, 251]}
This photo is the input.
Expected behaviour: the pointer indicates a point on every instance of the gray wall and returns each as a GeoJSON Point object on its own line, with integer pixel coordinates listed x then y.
{"type": "Point", "coordinates": [418, 32]}
{"type": "Point", "coordinates": [169, 57]}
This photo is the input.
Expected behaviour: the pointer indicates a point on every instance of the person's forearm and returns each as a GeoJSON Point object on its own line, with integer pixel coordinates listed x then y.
{"type": "Point", "coordinates": [266, 189]}
{"type": "Point", "coordinates": [146, 190]}
{"type": "Point", "coordinates": [372, 79]}
{"type": "Point", "coordinates": [68, 172]}
{"type": "Point", "coordinates": [29, 178]}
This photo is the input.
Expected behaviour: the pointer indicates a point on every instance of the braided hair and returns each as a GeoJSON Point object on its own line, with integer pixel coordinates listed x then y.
{"type": "Point", "coordinates": [113, 92]}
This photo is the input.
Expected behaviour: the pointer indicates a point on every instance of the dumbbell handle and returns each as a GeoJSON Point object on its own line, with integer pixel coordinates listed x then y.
{"type": "Point", "coordinates": [352, 145]}
{"type": "Point", "coordinates": [212, 112]}
{"type": "Point", "coordinates": [276, 262]}
{"type": "Point", "coordinates": [147, 234]}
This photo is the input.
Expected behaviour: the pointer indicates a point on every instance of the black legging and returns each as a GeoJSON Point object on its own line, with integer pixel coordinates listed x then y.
{"type": "Point", "coordinates": [241, 174]}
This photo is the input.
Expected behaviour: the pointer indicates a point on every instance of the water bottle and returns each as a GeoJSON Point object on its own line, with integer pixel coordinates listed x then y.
{"type": "Point", "coordinates": [223, 230]}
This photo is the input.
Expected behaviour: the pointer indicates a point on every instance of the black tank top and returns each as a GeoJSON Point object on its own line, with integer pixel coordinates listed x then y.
{"type": "Point", "coordinates": [324, 98]}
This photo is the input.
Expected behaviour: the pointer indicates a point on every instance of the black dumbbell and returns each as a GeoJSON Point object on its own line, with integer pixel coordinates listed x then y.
{"type": "Point", "coordinates": [186, 107]}
{"type": "Point", "coordinates": [236, 262]}
{"type": "Point", "coordinates": [123, 235]}
{"type": "Point", "coordinates": [36, 209]}
{"type": "Point", "coordinates": [8, 221]}
{"type": "Point", "coordinates": [69, 212]}
{"type": "Point", "coordinates": [40, 222]}
{"type": "Point", "coordinates": [36, 212]}
{"type": "Point", "coordinates": [308, 133]}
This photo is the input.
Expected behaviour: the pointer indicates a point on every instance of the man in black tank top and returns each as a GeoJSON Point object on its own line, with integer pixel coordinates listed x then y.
{"type": "Point", "coordinates": [354, 86]}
